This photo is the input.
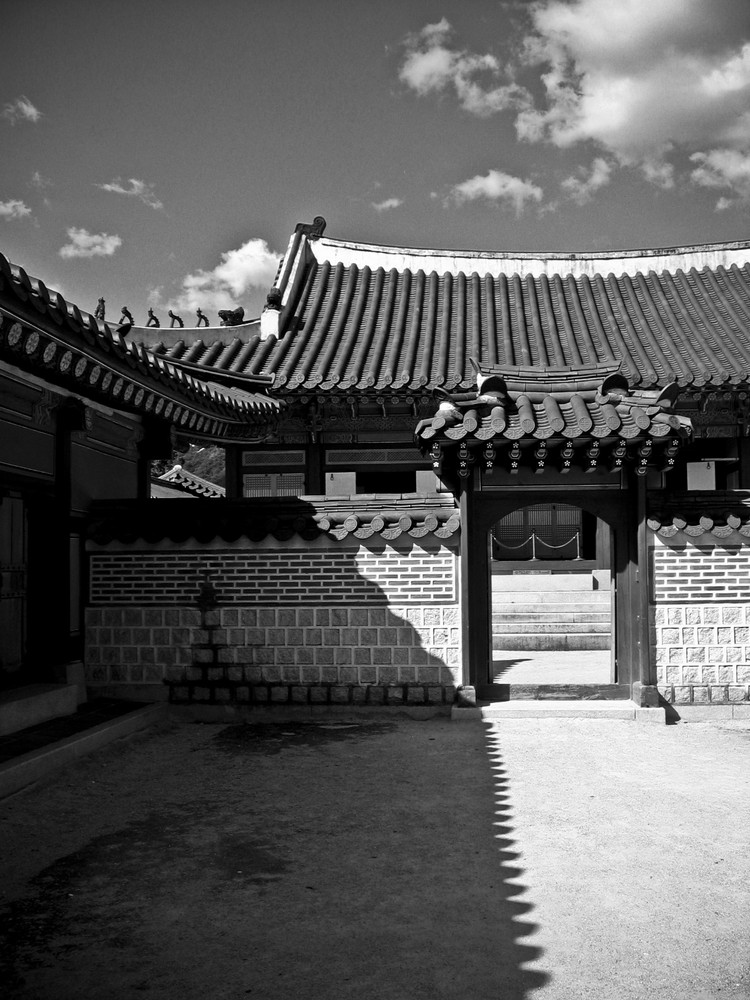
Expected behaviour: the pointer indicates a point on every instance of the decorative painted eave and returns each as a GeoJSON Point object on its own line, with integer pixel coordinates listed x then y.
{"type": "Point", "coordinates": [42, 334]}
{"type": "Point", "coordinates": [719, 514]}
{"type": "Point", "coordinates": [554, 419]}
{"type": "Point", "coordinates": [191, 483]}
{"type": "Point", "coordinates": [354, 317]}
{"type": "Point", "coordinates": [387, 517]}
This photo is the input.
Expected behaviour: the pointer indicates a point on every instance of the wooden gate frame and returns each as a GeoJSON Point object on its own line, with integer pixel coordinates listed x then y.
{"type": "Point", "coordinates": [624, 510]}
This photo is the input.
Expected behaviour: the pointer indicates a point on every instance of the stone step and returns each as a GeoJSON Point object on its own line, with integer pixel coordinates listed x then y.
{"type": "Point", "coordinates": [542, 581]}
{"type": "Point", "coordinates": [552, 641]}
{"type": "Point", "coordinates": [555, 614]}
{"type": "Point", "coordinates": [550, 627]}
{"type": "Point", "coordinates": [28, 706]}
{"type": "Point", "coordinates": [564, 709]}
{"type": "Point", "coordinates": [552, 597]}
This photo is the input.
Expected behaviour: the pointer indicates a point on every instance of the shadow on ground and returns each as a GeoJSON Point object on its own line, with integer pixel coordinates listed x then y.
{"type": "Point", "coordinates": [300, 860]}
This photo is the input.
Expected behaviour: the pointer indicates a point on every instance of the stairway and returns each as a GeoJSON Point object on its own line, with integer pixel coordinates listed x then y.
{"type": "Point", "coordinates": [554, 611]}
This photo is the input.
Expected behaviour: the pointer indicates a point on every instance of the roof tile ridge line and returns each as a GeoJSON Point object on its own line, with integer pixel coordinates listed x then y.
{"type": "Point", "coordinates": [732, 274]}
{"type": "Point", "coordinates": [287, 262]}
{"type": "Point", "coordinates": [605, 347]}
{"type": "Point", "coordinates": [653, 294]}
{"type": "Point", "coordinates": [353, 320]}
{"type": "Point", "coordinates": [563, 256]}
{"type": "Point", "coordinates": [730, 309]}
{"type": "Point", "coordinates": [636, 352]}
{"type": "Point", "coordinates": [261, 350]}
{"type": "Point", "coordinates": [406, 283]}
{"type": "Point", "coordinates": [228, 353]}
{"type": "Point", "coordinates": [183, 368]}
{"type": "Point", "coordinates": [654, 282]}
{"type": "Point", "coordinates": [509, 349]}
{"type": "Point", "coordinates": [667, 363]}
{"type": "Point", "coordinates": [456, 376]}
{"type": "Point", "coordinates": [558, 287]}
{"type": "Point", "coordinates": [332, 327]}
{"type": "Point", "coordinates": [517, 285]}
{"type": "Point", "coordinates": [536, 319]}
{"type": "Point", "coordinates": [374, 315]}
{"type": "Point", "coordinates": [411, 339]}
{"type": "Point", "coordinates": [239, 361]}
{"type": "Point", "coordinates": [472, 352]}
{"type": "Point", "coordinates": [575, 298]}
{"type": "Point", "coordinates": [288, 338]}
{"type": "Point", "coordinates": [490, 314]}
{"type": "Point", "coordinates": [306, 269]}
{"type": "Point", "coordinates": [429, 331]}
{"type": "Point", "coordinates": [549, 312]}
{"type": "Point", "coordinates": [301, 336]}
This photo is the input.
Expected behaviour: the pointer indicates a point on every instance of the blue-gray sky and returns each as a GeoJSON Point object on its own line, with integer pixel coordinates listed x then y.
{"type": "Point", "coordinates": [160, 153]}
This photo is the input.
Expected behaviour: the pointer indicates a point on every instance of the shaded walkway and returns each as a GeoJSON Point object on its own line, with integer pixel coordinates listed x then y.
{"type": "Point", "coordinates": [314, 861]}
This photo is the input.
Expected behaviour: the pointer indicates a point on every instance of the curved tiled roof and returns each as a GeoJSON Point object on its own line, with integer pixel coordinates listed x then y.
{"type": "Point", "coordinates": [386, 516]}
{"type": "Point", "coordinates": [42, 333]}
{"type": "Point", "coordinates": [563, 420]}
{"type": "Point", "coordinates": [358, 317]}
{"type": "Point", "coordinates": [190, 483]}
{"type": "Point", "coordinates": [716, 513]}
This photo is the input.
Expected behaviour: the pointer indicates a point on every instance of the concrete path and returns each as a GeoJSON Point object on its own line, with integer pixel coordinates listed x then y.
{"type": "Point", "coordinates": [394, 859]}
{"type": "Point", "coordinates": [552, 666]}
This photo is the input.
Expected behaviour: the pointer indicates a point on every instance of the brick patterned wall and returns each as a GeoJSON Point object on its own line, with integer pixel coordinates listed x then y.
{"type": "Point", "coordinates": [689, 572]}
{"type": "Point", "coordinates": [327, 625]}
{"type": "Point", "coordinates": [274, 577]}
{"type": "Point", "coordinates": [700, 622]}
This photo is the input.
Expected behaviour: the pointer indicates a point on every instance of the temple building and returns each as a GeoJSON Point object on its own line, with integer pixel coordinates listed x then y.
{"type": "Point", "coordinates": [451, 478]}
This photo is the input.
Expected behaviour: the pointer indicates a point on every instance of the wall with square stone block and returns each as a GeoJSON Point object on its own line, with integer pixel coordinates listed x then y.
{"type": "Point", "coordinates": [316, 622]}
{"type": "Point", "coordinates": [700, 619]}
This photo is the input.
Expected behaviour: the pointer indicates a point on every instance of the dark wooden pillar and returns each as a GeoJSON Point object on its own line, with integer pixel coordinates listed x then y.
{"type": "Point", "coordinates": [233, 468]}
{"type": "Point", "coordinates": [470, 674]}
{"type": "Point", "coordinates": [644, 685]}
{"type": "Point", "coordinates": [314, 471]}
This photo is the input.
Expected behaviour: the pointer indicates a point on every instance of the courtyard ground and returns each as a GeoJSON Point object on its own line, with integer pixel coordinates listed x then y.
{"type": "Point", "coordinates": [388, 859]}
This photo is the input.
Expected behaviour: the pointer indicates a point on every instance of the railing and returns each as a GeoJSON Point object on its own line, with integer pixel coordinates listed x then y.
{"type": "Point", "coordinates": [536, 540]}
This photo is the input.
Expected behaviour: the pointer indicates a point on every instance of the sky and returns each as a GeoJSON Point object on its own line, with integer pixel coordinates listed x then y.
{"type": "Point", "coordinates": [161, 153]}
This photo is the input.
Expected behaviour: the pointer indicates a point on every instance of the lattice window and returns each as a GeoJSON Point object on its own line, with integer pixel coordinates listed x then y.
{"type": "Point", "coordinates": [279, 484]}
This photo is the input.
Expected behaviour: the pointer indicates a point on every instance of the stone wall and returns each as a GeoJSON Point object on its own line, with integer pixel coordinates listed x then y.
{"type": "Point", "coordinates": [295, 622]}
{"type": "Point", "coordinates": [701, 618]}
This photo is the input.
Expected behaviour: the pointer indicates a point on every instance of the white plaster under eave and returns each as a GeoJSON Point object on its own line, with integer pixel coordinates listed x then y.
{"type": "Point", "coordinates": [508, 263]}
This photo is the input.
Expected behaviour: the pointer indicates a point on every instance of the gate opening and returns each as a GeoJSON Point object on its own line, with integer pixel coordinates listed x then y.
{"type": "Point", "coordinates": [552, 599]}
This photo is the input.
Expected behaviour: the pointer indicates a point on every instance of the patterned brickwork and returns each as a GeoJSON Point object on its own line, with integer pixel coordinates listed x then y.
{"type": "Point", "coordinates": [691, 573]}
{"type": "Point", "coordinates": [230, 648]}
{"type": "Point", "coordinates": [266, 576]}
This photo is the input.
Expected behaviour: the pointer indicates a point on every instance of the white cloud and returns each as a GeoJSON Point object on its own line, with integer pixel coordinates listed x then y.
{"type": "Point", "coordinates": [388, 203]}
{"type": "Point", "coordinates": [581, 186]}
{"type": "Point", "coordinates": [724, 168]}
{"type": "Point", "coordinates": [137, 189]}
{"type": "Point", "coordinates": [85, 244]}
{"type": "Point", "coordinates": [21, 110]}
{"type": "Point", "coordinates": [645, 81]}
{"type": "Point", "coordinates": [251, 267]}
{"type": "Point", "coordinates": [13, 209]}
{"type": "Point", "coordinates": [431, 65]}
{"type": "Point", "coordinates": [497, 186]}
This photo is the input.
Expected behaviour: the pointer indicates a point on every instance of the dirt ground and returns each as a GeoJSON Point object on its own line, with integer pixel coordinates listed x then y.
{"type": "Point", "coordinates": [389, 859]}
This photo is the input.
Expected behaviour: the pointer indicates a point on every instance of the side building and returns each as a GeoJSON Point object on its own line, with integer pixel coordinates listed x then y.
{"type": "Point", "coordinates": [83, 412]}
